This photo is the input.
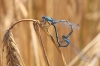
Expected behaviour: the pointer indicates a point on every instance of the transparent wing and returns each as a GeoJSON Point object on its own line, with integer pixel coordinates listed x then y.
{"type": "Point", "coordinates": [65, 23]}
{"type": "Point", "coordinates": [74, 26]}
{"type": "Point", "coordinates": [81, 54]}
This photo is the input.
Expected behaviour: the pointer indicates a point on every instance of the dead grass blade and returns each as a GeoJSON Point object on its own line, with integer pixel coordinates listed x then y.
{"type": "Point", "coordinates": [37, 29]}
{"type": "Point", "coordinates": [13, 56]}
{"type": "Point", "coordinates": [35, 46]}
{"type": "Point", "coordinates": [54, 41]}
{"type": "Point", "coordinates": [95, 60]}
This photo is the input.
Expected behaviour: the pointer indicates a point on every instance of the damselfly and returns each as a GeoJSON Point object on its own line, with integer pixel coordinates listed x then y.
{"type": "Point", "coordinates": [65, 22]}
{"type": "Point", "coordinates": [65, 39]}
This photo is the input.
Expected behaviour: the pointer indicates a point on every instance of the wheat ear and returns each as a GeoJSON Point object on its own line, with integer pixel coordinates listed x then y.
{"type": "Point", "coordinates": [13, 56]}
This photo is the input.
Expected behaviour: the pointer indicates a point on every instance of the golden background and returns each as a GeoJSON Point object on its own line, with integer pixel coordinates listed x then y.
{"type": "Point", "coordinates": [86, 13]}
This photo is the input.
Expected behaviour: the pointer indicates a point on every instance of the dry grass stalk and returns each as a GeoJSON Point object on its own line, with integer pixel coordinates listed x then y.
{"type": "Point", "coordinates": [95, 54]}
{"type": "Point", "coordinates": [23, 20]}
{"type": "Point", "coordinates": [95, 60]}
{"type": "Point", "coordinates": [35, 46]}
{"type": "Point", "coordinates": [37, 29]}
{"type": "Point", "coordinates": [13, 56]}
{"type": "Point", "coordinates": [19, 4]}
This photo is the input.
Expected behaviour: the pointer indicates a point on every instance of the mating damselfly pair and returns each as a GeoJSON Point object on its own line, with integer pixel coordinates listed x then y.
{"type": "Point", "coordinates": [64, 42]}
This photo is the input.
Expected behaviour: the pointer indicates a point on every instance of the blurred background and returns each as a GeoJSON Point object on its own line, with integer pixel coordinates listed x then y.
{"type": "Point", "coordinates": [86, 13]}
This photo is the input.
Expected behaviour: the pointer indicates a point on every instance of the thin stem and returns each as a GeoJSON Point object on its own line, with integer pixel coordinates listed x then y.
{"type": "Point", "coordinates": [36, 26]}
{"type": "Point", "coordinates": [23, 20]}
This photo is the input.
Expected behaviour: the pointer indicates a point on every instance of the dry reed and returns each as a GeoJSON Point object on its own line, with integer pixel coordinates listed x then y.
{"type": "Point", "coordinates": [37, 29]}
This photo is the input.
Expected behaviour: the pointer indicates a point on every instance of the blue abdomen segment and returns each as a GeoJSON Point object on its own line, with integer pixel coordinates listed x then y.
{"type": "Point", "coordinates": [67, 40]}
{"type": "Point", "coordinates": [49, 19]}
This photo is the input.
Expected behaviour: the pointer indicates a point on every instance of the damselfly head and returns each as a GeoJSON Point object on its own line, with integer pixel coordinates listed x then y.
{"type": "Point", "coordinates": [63, 36]}
{"type": "Point", "coordinates": [43, 17]}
